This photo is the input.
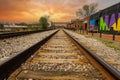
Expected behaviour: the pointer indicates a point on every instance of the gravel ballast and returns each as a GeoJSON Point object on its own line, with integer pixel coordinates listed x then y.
{"type": "Point", "coordinates": [110, 55]}
{"type": "Point", "coordinates": [15, 45]}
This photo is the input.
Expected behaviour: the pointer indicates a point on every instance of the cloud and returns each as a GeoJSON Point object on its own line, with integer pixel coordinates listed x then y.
{"type": "Point", "coordinates": [14, 10]}
{"type": "Point", "coordinates": [32, 10]}
{"type": "Point", "coordinates": [14, 5]}
{"type": "Point", "coordinates": [58, 8]}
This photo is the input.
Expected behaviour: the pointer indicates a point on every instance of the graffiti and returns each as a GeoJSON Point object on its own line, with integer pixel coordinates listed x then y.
{"type": "Point", "coordinates": [112, 20]}
{"type": "Point", "coordinates": [103, 24]}
{"type": "Point", "coordinates": [92, 23]}
{"type": "Point", "coordinates": [113, 24]}
{"type": "Point", "coordinates": [107, 20]}
{"type": "Point", "coordinates": [116, 26]}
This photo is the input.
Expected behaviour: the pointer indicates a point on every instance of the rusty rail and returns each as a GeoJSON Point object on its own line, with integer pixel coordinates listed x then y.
{"type": "Point", "coordinates": [10, 65]}
{"type": "Point", "coordinates": [15, 34]}
{"type": "Point", "coordinates": [111, 70]}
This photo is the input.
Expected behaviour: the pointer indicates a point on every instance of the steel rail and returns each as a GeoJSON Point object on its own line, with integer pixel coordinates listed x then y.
{"type": "Point", "coordinates": [112, 71]}
{"type": "Point", "coordinates": [15, 34]}
{"type": "Point", "coordinates": [10, 65]}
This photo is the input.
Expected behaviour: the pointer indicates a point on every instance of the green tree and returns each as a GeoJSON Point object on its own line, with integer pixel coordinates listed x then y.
{"type": "Point", "coordinates": [87, 10]}
{"type": "Point", "coordinates": [43, 22]}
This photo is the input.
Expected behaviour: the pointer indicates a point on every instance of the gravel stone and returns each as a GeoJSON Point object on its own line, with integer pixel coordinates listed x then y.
{"type": "Point", "coordinates": [110, 55]}
{"type": "Point", "coordinates": [15, 45]}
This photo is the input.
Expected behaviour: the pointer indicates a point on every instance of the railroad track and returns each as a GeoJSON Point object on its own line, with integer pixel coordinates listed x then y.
{"type": "Point", "coordinates": [15, 34]}
{"type": "Point", "coordinates": [61, 58]}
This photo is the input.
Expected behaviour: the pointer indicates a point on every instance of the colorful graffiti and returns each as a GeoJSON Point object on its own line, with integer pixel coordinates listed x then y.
{"type": "Point", "coordinates": [116, 26]}
{"type": "Point", "coordinates": [106, 25]}
{"type": "Point", "coordinates": [103, 24]}
{"type": "Point", "coordinates": [92, 23]}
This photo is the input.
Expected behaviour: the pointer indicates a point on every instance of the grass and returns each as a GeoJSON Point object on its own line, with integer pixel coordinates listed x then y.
{"type": "Point", "coordinates": [108, 43]}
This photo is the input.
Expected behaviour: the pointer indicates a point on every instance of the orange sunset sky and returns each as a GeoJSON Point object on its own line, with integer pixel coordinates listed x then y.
{"type": "Point", "coordinates": [32, 10]}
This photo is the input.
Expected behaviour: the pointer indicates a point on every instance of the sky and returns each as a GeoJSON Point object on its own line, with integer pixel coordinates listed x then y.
{"type": "Point", "coordinates": [58, 10]}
